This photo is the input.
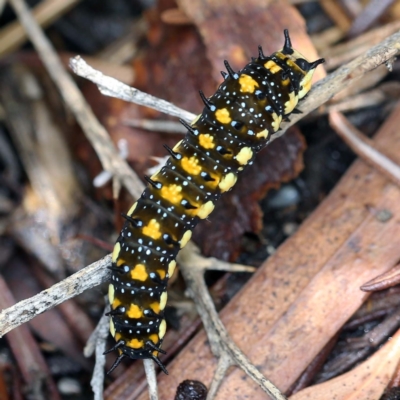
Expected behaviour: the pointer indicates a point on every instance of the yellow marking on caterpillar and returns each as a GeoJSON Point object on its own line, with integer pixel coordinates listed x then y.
{"type": "Point", "coordinates": [115, 253]}
{"type": "Point", "coordinates": [112, 327]}
{"type": "Point", "coordinates": [152, 229]}
{"type": "Point", "coordinates": [175, 148]}
{"type": "Point", "coordinates": [154, 176]}
{"type": "Point", "coordinates": [277, 121]}
{"type": "Point", "coordinates": [244, 155]}
{"type": "Point", "coordinates": [306, 83]}
{"type": "Point", "coordinates": [191, 165]}
{"type": "Point", "coordinates": [162, 329]}
{"type": "Point", "coordinates": [172, 193]}
{"type": "Point", "coordinates": [195, 120]}
{"type": "Point", "coordinates": [206, 141]}
{"type": "Point", "coordinates": [163, 300]}
{"type": "Point", "coordinates": [247, 84]}
{"type": "Point", "coordinates": [223, 116]}
{"type": "Point", "coordinates": [206, 209]}
{"type": "Point", "coordinates": [132, 209]}
{"type": "Point", "coordinates": [227, 182]}
{"type": "Point", "coordinates": [134, 312]}
{"type": "Point", "coordinates": [154, 338]}
{"type": "Point", "coordinates": [120, 261]}
{"type": "Point", "coordinates": [185, 238]}
{"type": "Point", "coordinates": [291, 103]}
{"type": "Point", "coordinates": [135, 343]}
{"type": "Point", "coordinates": [171, 268]}
{"type": "Point", "coordinates": [263, 134]}
{"type": "Point", "coordinates": [117, 337]}
{"type": "Point", "coordinates": [272, 66]}
{"type": "Point", "coordinates": [139, 273]}
{"type": "Point", "coordinates": [111, 293]}
{"type": "Point", "coordinates": [291, 64]}
{"type": "Point", "coordinates": [155, 307]}
{"type": "Point", "coordinates": [161, 273]}
{"type": "Point", "coordinates": [116, 303]}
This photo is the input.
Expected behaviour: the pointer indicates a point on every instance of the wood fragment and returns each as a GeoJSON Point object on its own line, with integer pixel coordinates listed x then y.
{"type": "Point", "coordinates": [383, 281]}
{"type": "Point", "coordinates": [337, 14]}
{"type": "Point", "coordinates": [367, 381]}
{"type": "Point", "coordinates": [45, 13]}
{"type": "Point", "coordinates": [364, 147]}
{"type": "Point", "coordinates": [368, 16]}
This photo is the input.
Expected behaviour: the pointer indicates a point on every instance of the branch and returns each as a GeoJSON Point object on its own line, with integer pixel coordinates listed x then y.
{"type": "Point", "coordinates": [112, 87]}
{"type": "Point", "coordinates": [25, 310]}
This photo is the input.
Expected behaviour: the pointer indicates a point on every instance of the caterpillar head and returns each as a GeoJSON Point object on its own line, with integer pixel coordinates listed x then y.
{"type": "Point", "coordinates": [303, 68]}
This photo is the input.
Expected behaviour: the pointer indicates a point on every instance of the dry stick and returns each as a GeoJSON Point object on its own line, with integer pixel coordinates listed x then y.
{"type": "Point", "coordinates": [364, 147]}
{"type": "Point", "coordinates": [97, 342]}
{"type": "Point", "coordinates": [163, 126]}
{"type": "Point", "coordinates": [25, 310]}
{"type": "Point", "coordinates": [349, 50]}
{"type": "Point", "coordinates": [371, 12]}
{"type": "Point", "coordinates": [96, 273]}
{"type": "Point", "coordinates": [46, 12]}
{"type": "Point", "coordinates": [94, 131]}
{"type": "Point", "coordinates": [2, 4]}
{"type": "Point", "coordinates": [220, 341]}
{"type": "Point", "coordinates": [112, 87]}
{"type": "Point", "coordinates": [151, 378]}
{"type": "Point", "coordinates": [224, 362]}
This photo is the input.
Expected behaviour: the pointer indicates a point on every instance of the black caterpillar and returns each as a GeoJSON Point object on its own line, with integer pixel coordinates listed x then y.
{"type": "Point", "coordinates": [235, 124]}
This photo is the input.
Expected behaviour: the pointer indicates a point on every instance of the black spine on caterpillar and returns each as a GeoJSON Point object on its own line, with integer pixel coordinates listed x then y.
{"type": "Point", "coordinates": [236, 123]}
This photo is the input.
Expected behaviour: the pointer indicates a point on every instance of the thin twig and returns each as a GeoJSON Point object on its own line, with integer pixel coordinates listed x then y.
{"type": "Point", "coordinates": [99, 337]}
{"type": "Point", "coordinates": [156, 125]}
{"type": "Point", "coordinates": [224, 363]}
{"type": "Point", "coordinates": [2, 4]}
{"type": "Point", "coordinates": [220, 341]}
{"type": "Point", "coordinates": [149, 368]}
{"type": "Point", "coordinates": [364, 147]}
{"type": "Point", "coordinates": [45, 13]}
{"type": "Point", "coordinates": [112, 87]}
{"type": "Point", "coordinates": [25, 310]}
{"type": "Point", "coordinates": [94, 131]}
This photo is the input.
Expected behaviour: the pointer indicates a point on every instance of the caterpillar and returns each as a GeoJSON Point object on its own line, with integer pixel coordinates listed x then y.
{"type": "Point", "coordinates": [236, 122]}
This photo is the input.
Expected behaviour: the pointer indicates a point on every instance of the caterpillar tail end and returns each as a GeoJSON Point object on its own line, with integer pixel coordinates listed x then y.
{"type": "Point", "coordinates": [116, 363]}
{"type": "Point", "coordinates": [160, 364]}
